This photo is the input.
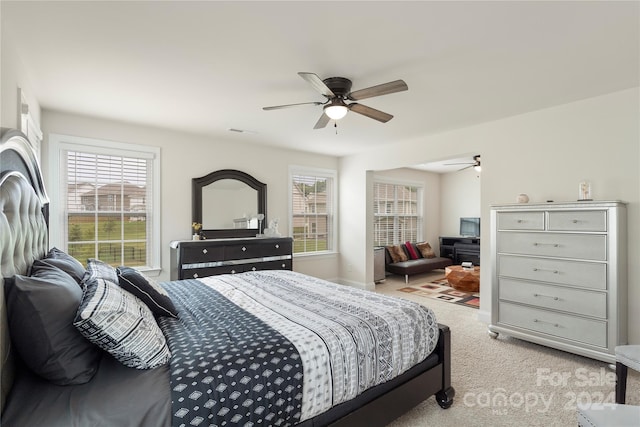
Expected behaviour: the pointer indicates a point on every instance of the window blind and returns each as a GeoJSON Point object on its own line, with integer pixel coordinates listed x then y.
{"type": "Point", "coordinates": [109, 205]}
{"type": "Point", "coordinates": [396, 211]}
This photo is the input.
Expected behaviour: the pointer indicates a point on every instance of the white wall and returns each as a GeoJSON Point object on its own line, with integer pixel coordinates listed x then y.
{"type": "Point", "coordinates": [189, 156]}
{"type": "Point", "coordinates": [544, 154]}
{"type": "Point", "coordinates": [459, 197]}
{"type": "Point", "coordinates": [13, 75]}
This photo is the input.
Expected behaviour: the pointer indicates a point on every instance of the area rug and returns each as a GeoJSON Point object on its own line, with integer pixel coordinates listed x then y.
{"type": "Point", "coordinates": [439, 289]}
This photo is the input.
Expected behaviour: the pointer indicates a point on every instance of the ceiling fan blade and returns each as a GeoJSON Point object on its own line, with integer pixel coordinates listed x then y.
{"type": "Point", "coordinates": [322, 121]}
{"type": "Point", "coordinates": [383, 89]}
{"type": "Point", "coordinates": [317, 84]}
{"type": "Point", "coordinates": [464, 163]}
{"type": "Point", "coordinates": [277, 107]}
{"type": "Point", "coordinates": [370, 112]}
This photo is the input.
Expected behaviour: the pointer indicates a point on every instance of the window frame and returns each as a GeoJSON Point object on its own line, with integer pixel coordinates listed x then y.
{"type": "Point", "coordinates": [59, 144]}
{"type": "Point", "coordinates": [333, 227]}
{"type": "Point", "coordinates": [419, 206]}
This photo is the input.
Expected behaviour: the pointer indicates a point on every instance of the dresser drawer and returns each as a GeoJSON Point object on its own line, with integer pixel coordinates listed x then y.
{"type": "Point", "coordinates": [276, 248]}
{"type": "Point", "coordinates": [284, 264]}
{"type": "Point", "coordinates": [201, 253]}
{"type": "Point", "coordinates": [578, 221]}
{"type": "Point", "coordinates": [591, 275]}
{"type": "Point", "coordinates": [520, 220]}
{"type": "Point", "coordinates": [199, 273]}
{"type": "Point", "coordinates": [588, 331]}
{"type": "Point", "coordinates": [582, 246]}
{"type": "Point", "coordinates": [242, 251]}
{"type": "Point", "coordinates": [571, 300]}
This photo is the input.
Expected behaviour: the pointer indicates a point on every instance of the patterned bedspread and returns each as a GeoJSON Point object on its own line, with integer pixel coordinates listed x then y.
{"type": "Point", "coordinates": [278, 347]}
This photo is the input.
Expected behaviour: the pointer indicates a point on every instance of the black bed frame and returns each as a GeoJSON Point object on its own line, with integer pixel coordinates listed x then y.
{"type": "Point", "coordinates": [375, 407]}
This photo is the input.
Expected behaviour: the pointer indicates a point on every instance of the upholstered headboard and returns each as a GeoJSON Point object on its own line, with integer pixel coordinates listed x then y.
{"type": "Point", "coordinates": [24, 213]}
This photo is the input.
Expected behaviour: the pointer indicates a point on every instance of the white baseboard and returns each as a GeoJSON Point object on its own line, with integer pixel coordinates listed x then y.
{"type": "Point", "coordinates": [484, 317]}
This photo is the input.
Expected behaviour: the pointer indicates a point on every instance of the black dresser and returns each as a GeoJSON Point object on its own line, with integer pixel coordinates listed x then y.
{"type": "Point", "coordinates": [191, 259]}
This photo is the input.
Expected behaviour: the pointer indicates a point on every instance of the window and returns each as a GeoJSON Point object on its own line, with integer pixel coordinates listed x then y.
{"type": "Point", "coordinates": [312, 210]}
{"type": "Point", "coordinates": [105, 203]}
{"type": "Point", "coordinates": [397, 213]}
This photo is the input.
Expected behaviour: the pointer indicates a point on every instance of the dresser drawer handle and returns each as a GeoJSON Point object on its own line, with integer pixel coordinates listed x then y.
{"type": "Point", "coordinates": [575, 221]}
{"type": "Point", "coordinates": [277, 246]}
{"type": "Point", "coordinates": [284, 265]}
{"type": "Point", "coordinates": [547, 296]}
{"type": "Point", "coordinates": [204, 251]}
{"type": "Point", "coordinates": [555, 325]}
{"type": "Point", "coordinates": [244, 249]}
{"type": "Point", "coordinates": [555, 245]}
{"type": "Point", "coordinates": [520, 221]}
{"type": "Point", "coordinates": [542, 269]}
{"type": "Point", "coordinates": [253, 269]}
{"type": "Point", "coordinates": [233, 272]}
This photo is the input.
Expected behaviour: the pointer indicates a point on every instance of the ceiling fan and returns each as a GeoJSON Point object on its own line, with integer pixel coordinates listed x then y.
{"type": "Point", "coordinates": [474, 164]}
{"type": "Point", "coordinates": [337, 90]}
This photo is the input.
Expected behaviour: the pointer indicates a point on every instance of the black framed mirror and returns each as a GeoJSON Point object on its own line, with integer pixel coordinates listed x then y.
{"type": "Point", "coordinates": [229, 203]}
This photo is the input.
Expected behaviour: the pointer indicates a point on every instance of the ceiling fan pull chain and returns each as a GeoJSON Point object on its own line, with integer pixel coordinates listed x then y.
{"type": "Point", "coordinates": [335, 125]}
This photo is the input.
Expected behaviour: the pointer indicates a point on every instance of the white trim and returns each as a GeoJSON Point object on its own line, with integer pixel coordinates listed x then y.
{"type": "Point", "coordinates": [28, 125]}
{"type": "Point", "coordinates": [320, 172]}
{"type": "Point", "coordinates": [59, 143]}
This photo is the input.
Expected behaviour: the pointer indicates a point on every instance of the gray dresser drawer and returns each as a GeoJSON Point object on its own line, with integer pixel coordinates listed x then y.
{"type": "Point", "coordinates": [566, 326]}
{"type": "Point", "coordinates": [571, 300]}
{"type": "Point", "coordinates": [591, 275]}
{"type": "Point", "coordinates": [520, 220]}
{"type": "Point", "coordinates": [581, 246]}
{"type": "Point", "coordinates": [578, 221]}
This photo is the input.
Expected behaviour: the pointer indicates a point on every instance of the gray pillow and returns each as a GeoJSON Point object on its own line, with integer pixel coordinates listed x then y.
{"type": "Point", "coordinates": [41, 309]}
{"type": "Point", "coordinates": [66, 263]}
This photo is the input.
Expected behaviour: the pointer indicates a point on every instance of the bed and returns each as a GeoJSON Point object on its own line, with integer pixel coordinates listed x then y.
{"type": "Point", "coordinates": [257, 348]}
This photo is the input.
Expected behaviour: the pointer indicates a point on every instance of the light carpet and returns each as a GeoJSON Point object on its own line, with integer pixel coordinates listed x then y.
{"type": "Point", "coordinates": [506, 381]}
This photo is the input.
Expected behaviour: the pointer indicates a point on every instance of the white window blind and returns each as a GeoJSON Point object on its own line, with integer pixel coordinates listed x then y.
{"type": "Point", "coordinates": [397, 213]}
{"type": "Point", "coordinates": [106, 201]}
{"type": "Point", "coordinates": [312, 212]}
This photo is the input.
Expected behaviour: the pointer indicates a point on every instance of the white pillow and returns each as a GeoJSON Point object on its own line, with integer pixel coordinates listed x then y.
{"type": "Point", "coordinates": [118, 322]}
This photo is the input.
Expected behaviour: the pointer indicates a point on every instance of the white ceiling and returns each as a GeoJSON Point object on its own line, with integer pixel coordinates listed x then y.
{"type": "Point", "coordinates": [207, 67]}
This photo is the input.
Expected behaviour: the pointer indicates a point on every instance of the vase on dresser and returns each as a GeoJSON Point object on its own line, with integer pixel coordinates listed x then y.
{"type": "Point", "coordinates": [559, 275]}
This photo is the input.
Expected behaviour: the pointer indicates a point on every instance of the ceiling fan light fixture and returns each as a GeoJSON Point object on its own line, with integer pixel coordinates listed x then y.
{"type": "Point", "coordinates": [336, 110]}
{"type": "Point", "coordinates": [478, 168]}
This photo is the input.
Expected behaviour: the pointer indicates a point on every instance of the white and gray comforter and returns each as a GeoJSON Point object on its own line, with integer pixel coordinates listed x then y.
{"type": "Point", "coordinates": [333, 341]}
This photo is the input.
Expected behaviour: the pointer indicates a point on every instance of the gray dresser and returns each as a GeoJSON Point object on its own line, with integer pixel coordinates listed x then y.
{"type": "Point", "coordinates": [191, 259]}
{"type": "Point", "coordinates": [559, 275]}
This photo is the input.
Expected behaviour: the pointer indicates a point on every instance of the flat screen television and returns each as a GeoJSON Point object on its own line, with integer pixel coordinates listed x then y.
{"type": "Point", "coordinates": [470, 227]}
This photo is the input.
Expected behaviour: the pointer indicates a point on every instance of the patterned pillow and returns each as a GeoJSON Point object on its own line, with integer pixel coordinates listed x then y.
{"type": "Point", "coordinates": [148, 290]}
{"type": "Point", "coordinates": [425, 250]}
{"type": "Point", "coordinates": [66, 263]}
{"type": "Point", "coordinates": [121, 324]}
{"type": "Point", "coordinates": [101, 270]}
{"type": "Point", "coordinates": [397, 253]}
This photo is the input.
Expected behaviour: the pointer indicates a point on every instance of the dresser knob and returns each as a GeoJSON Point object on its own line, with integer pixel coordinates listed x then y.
{"type": "Point", "coordinates": [253, 269]}
{"type": "Point", "coordinates": [204, 251]}
{"type": "Point", "coordinates": [233, 272]}
{"type": "Point", "coordinates": [284, 265]}
{"type": "Point", "coordinates": [575, 221]}
{"type": "Point", "coordinates": [195, 275]}
{"type": "Point", "coordinates": [244, 249]}
{"type": "Point", "coordinates": [277, 246]}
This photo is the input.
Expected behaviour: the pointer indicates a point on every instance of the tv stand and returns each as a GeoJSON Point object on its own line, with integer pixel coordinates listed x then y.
{"type": "Point", "coordinates": [460, 249]}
